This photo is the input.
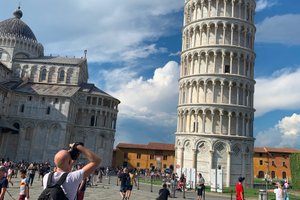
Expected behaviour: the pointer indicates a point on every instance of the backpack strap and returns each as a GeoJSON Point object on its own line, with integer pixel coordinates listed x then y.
{"type": "Point", "coordinates": [59, 182]}
{"type": "Point", "coordinates": [49, 179]}
{"type": "Point", "coordinates": [62, 179]}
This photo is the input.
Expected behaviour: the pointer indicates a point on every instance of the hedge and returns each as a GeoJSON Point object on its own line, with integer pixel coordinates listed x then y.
{"type": "Point", "coordinates": [295, 169]}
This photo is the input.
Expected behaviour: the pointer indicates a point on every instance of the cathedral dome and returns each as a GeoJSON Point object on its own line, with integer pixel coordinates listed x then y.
{"type": "Point", "coordinates": [16, 27]}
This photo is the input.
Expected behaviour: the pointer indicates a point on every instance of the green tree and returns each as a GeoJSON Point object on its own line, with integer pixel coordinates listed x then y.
{"type": "Point", "coordinates": [295, 169]}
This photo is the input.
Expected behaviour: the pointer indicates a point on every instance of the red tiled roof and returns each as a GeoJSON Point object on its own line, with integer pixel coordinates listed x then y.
{"type": "Point", "coordinates": [150, 146]}
{"type": "Point", "coordinates": [275, 150]}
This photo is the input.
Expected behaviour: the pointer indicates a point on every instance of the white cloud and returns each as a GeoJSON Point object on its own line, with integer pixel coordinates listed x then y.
{"type": "Point", "coordinates": [175, 54]}
{"type": "Point", "coordinates": [153, 100]}
{"type": "Point", "coordinates": [106, 29]}
{"type": "Point", "coordinates": [263, 4]}
{"type": "Point", "coordinates": [286, 133]}
{"type": "Point", "coordinates": [141, 52]}
{"type": "Point", "coordinates": [281, 29]}
{"type": "Point", "coordinates": [280, 91]}
{"type": "Point", "coordinates": [290, 126]}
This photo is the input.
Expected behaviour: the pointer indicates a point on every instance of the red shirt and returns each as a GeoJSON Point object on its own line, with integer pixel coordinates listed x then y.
{"type": "Point", "coordinates": [239, 188]}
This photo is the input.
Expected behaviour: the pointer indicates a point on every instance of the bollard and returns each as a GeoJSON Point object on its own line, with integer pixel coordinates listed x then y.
{"type": "Point", "coordinates": [138, 183]}
{"type": "Point", "coordinates": [203, 193]}
{"type": "Point", "coordinates": [263, 195]}
{"type": "Point", "coordinates": [183, 192]}
{"type": "Point", "coordinates": [151, 184]}
{"type": "Point", "coordinates": [108, 179]}
{"type": "Point", "coordinates": [231, 194]}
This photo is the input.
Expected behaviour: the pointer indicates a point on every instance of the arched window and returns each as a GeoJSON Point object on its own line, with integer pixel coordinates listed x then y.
{"type": "Point", "coordinates": [61, 77]}
{"type": "Point", "coordinates": [48, 110]}
{"type": "Point", "coordinates": [261, 174]}
{"type": "Point", "coordinates": [43, 75]}
{"type": "Point", "coordinates": [273, 174]}
{"type": "Point", "coordinates": [92, 123]}
{"type": "Point", "coordinates": [17, 126]}
{"type": "Point", "coordinates": [283, 175]}
{"type": "Point", "coordinates": [22, 108]}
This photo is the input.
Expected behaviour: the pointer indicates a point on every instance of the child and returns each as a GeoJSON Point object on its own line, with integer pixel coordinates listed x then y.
{"type": "Point", "coordinates": [24, 186]}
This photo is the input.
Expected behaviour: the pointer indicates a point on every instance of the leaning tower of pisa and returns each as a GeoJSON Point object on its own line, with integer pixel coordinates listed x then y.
{"type": "Point", "coordinates": [216, 87]}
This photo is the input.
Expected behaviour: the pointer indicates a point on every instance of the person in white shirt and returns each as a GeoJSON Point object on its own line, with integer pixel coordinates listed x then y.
{"type": "Point", "coordinates": [201, 186]}
{"type": "Point", "coordinates": [279, 192]}
{"type": "Point", "coordinates": [64, 163]}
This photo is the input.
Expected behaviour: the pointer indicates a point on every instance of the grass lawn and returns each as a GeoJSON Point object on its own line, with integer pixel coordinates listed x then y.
{"type": "Point", "coordinates": [148, 181]}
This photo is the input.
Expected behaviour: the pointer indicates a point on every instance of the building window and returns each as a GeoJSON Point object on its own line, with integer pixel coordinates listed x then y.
{"type": "Point", "coordinates": [61, 75]}
{"type": "Point", "coordinates": [92, 122]}
{"type": "Point", "coordinates": [273, 163]}
{"type": "Point", "coordinates": [227, 69]}
{"type": "Point", "coordinates": [104, 121]}
{"type": "Point", "coordinates": [272, 174]}
{"type": "Point", "coordinates": [260, 162]}
{"type": "Point", "coordinates": [165, 166]}
{"type": "Point", "coordinates": [261, 174]}
{"type": "Point", "coordinates": [151, 157]}
{"type": "Point", "coordinates": [283, 164]}
{"type": "Point", "coordinates": [99, 101]}
{"type": "Point", "coordinates": [260, 155]}
{"type": "Point", "coordinates": [94, 101]}
{"type": "Point", "coordinates": [48, 110]}
{"type": "Point", "coordinates": [125, 155]}
{"type": "Point", "coordinates": [88, 100]}
{"type": "Point", "coordinates": [43, 99]}
{"type": "Point", "coordinates": [165, 157]}
{"type": "Point", "coordinates": [55, 100]}
{"type": "Point", "coordinates": [138, 156]}
{"type": "Point", "coordinates": [43, 75]}
{"type": "Point", "coordinates": [137, 164]}
{"type": "Point", "coordinates": [283, 175]}
{"type": "Point", "coordinates": [29, 98]}
{"type": "Point", "coordinates": [151, 165]}
{"type": "Point", "coordinates": [22, 108]}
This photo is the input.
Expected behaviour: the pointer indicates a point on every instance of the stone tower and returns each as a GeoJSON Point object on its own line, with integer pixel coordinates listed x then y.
{"type": "Point", "coordinates": [216, 87]}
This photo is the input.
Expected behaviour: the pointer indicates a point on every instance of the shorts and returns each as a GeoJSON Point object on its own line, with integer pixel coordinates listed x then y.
{"type": "Point", "coordinates": [123, 188]}
{"type": "Point", "coordinates": [200, 190]}
{"type": "Point", "coordinates": [22, 197]}
{"type": "Point", "coordinates": [129, 187]}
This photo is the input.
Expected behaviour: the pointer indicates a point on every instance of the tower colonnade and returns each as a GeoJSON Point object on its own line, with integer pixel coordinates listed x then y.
{"type": "Point", "coordinates": [201, 9]}
{"type": "Point", "coordinates": [216, 91]}
{"type": "Point", "coordinates": [218, 61]}
{"type": "Point", "coordinates": [219, 32]}
{"type": "Point", "coordinates": [219, 121]}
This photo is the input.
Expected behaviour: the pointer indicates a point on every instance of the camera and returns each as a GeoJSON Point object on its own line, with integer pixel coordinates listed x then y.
{"type": "Point", "coordinates": [74, 152]}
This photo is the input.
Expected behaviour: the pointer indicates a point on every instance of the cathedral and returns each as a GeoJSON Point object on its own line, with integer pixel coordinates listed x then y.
{"type": "Point", "coordinates": [46, 102]}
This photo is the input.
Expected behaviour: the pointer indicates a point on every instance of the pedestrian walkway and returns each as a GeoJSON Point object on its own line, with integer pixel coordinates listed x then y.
{"type": "Point", "coordinates": [108, 190]}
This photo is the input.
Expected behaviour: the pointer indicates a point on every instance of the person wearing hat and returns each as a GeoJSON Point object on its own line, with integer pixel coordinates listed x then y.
{"type": "Point", "coordinates": [239, 189]}
{"type": "Point", "coordinates": [3, 182]}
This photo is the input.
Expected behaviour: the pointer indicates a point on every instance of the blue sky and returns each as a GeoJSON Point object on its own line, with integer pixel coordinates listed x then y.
{"type": "Point", "coordinates": [134, 54]}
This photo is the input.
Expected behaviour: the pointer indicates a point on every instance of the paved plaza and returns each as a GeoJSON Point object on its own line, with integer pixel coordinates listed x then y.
{"type": "Point", "coordinates": [110, 191]}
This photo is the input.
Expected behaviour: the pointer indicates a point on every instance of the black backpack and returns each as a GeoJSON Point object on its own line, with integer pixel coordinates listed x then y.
{"type": "Point", "coordinates": [54, 192]}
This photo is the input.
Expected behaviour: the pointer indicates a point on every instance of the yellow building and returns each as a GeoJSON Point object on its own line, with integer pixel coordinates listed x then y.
{"type": "Point", "coordinates": [141, 156]}
{"type": "Point", "coordinates": [272, 161]}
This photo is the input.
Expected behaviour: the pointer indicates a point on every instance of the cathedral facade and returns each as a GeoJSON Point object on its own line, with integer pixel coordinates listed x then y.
{"type": "Point", "coordinates": [216, 89]}
{"type": "Point", "coordinates": [46, 102]}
